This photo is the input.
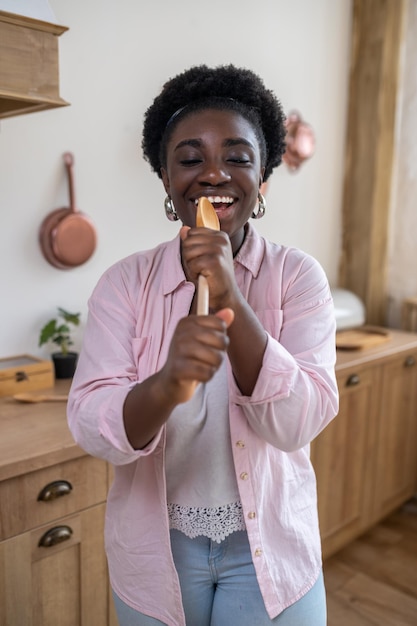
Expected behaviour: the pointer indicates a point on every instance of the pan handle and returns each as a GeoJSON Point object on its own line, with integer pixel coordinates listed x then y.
{"type": "Point", "coordinates": [69, 162]}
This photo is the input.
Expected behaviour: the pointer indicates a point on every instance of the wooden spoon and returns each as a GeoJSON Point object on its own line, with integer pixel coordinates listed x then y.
{"type": "Point", "coordinates": [206, 217]}
{"type": "Point", "coordinates": [28, 397]}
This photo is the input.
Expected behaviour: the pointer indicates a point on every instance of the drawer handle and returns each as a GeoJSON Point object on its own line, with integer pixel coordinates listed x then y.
{"type": "Point", "coordinates": [20, 376]}
{"type": "Point", "coordinates": [55, 535]}
{"type": "Point", "coordinates": [353, 380]}
{"type": "Point", "coordinates": [55, 490]}
{"type": "Point", "coordinates": [409, 361]}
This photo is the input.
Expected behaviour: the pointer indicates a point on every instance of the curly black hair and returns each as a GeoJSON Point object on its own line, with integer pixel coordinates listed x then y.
{"type": "Point", "coordinates": [224, 87]}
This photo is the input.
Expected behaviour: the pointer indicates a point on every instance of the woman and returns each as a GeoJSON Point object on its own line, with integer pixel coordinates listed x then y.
{"type": "Point", "coordinates": [212, 516]}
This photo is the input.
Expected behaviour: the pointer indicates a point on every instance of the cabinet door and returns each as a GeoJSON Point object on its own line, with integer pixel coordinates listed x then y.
{"type": "Point", "coordinates": [339, 456]}
{"type": "Point", "coordinates": [60, 584]}
{"type": "Point", "coordinates": [396, 429]}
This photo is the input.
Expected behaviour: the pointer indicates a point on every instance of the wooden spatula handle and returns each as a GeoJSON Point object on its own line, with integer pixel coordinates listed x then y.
{"type": "Point", "coordinates": [202, 296]}
{"type": "Point", "coordinates": [206, 216]}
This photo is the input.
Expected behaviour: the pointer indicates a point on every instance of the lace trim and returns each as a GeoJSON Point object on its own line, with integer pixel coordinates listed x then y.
{"type": "Point", "coordinates": [215, 523]}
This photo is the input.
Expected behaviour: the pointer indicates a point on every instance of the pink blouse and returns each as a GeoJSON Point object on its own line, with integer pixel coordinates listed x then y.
{"type": "Point", "coordinates": [132, 314]}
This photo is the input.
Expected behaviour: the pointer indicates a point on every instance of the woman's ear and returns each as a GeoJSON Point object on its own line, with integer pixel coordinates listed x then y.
{"type": "Point", "coordinates": [165, 180]}
{"type": "Point", "coordinates": [264, 188]}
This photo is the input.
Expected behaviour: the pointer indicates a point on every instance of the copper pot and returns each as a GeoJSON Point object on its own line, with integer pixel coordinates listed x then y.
{"type": "Point", "coordinates": [67, 237]}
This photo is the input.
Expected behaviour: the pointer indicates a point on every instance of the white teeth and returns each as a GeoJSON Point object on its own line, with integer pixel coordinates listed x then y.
{"type": "Point", "coordinates": [222, 199]}
{"type": "Point", "coordinates": [218, 199]}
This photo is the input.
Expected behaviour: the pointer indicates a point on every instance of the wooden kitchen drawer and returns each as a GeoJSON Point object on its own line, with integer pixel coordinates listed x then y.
{"type": "Point", "coordinates": [67, 488]}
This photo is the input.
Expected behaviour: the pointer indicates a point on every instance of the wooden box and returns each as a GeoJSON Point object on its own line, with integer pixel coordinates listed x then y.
{"type": "Point", "coordinates": [22, 373]}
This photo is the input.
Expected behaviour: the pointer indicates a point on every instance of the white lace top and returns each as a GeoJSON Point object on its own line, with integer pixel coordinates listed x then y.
{"type": "Point", "coordinates": [205, 502]}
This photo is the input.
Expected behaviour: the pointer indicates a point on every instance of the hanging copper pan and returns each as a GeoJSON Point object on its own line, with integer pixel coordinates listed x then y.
{"type": "Point", "coordinates": [67, 237]}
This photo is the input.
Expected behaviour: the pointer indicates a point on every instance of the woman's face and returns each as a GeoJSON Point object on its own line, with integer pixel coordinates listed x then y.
{"type": "Point", "coordinates": [215, 154]}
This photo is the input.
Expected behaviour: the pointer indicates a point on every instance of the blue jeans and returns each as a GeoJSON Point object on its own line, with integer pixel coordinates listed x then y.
{"type": "Point", "coordinates": [219, 587]}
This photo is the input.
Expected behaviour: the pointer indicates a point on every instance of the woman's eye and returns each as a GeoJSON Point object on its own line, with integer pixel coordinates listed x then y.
{"type": "Point", "coordinates": [188, 162]}
{"type": "Point", "coordinates": [238, 160]}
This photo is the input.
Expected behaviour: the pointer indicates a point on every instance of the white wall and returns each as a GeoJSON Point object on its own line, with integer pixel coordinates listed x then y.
{"type": "Point", "coordinates": [113, 61]}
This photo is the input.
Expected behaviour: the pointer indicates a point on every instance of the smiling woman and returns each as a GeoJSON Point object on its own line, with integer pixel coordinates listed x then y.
{"type": "Point", "coordinates": [203, 518]}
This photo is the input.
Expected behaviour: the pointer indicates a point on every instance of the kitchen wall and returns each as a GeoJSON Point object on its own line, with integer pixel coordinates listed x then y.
{"type": "Point", "coordinates": [113, 61]}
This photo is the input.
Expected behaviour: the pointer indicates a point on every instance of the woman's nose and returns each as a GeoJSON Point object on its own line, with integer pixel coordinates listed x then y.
{"type": "Point", "coordinates": [214, 173]}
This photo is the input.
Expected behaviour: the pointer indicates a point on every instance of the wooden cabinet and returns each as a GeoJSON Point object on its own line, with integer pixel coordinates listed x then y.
{"type": "Point", "coordinates": [340, 456]}
{"type": "Point", "coordinates": [396, 439]}
{"type": "Point", "coordinates": [61, 584]}
{"type": "Point", "coordinates": [53, 568]}
{"type": "Point", "coordinates": [365, 460]}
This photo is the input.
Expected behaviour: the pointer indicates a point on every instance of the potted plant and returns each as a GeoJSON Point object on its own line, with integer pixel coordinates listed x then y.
{"type": "Point", "coordinates": [59, 332]}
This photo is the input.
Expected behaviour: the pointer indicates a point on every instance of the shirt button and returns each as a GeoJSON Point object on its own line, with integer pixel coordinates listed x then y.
{"type": "Point", "coordinates": [240, 444]}
{"type": "Point", "coordinates": [252, 515]}
{"type": "Point", "coordinates": [244, 476]}
{"type": "Point", "coordinates": [258, 552]}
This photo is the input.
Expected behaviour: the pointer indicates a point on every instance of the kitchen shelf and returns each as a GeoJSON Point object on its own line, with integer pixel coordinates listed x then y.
{"type": "Point", "coordinates": [29, 65]}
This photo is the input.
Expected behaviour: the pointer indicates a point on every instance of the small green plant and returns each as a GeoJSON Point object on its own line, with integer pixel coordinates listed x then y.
{"type": "Point", "coordinates": [60, 333]}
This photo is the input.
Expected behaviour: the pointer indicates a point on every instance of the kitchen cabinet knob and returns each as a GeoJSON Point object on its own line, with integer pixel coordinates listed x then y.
{"type": "Point", "coordinates": [55, 535]}
{"type": "Point", "coordinates": [20, 376]}
{"type": "Point", "coordinates": [409, 361]}
{"type": "Point", "coordinates": [55, 490]}
{"type": "Point", "coordinates": [353, 380]}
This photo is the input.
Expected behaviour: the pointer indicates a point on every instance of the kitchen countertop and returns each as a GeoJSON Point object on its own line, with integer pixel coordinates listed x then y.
{"type": "Point", "coordinates": [398, 341]}
{"type": "Point", "coordinates": [33, 436]}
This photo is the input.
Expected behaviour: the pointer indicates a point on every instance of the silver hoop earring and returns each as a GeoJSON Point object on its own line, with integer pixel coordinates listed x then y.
{"type": "Point", "coordinates": [170, 211]}
{"type": "Point", "coordinates": [261, 207]}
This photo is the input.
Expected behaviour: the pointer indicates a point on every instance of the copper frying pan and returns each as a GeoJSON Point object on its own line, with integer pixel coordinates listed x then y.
{"type": "Point", "coordinates": [67, 237]}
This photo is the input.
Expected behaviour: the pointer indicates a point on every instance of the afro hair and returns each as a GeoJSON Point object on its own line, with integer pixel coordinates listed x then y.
{"type": "Point", "coordinates": [225, 87]}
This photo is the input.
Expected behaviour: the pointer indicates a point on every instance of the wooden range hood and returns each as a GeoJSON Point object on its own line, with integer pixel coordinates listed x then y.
{"type": "Point", "coordinates": [29, 67]}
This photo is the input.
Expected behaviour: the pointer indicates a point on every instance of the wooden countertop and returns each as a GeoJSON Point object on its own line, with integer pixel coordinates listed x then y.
{"type": "Point", "coordinates": [398, 341]}
{"type": "Point", "coordinates": [33, 436]}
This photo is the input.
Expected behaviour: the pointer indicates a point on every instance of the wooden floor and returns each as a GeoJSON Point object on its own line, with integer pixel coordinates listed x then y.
{"type": "Point", "coordinates": [373, 581]}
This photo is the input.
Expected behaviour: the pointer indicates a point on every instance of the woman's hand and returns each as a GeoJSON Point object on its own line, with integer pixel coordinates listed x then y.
{"type": "Point", "coordinates": [195, 354]}
{"type": "Point", "coordinates": [208, 252]}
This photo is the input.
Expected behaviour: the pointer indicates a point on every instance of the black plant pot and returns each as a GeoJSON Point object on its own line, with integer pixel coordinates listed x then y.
{"type": "Point", "coordinates": [64, 364]}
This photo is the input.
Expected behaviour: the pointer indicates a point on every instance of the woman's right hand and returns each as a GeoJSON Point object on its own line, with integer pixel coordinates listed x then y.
{"type": "Point", "coordinates": [195, 354]}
